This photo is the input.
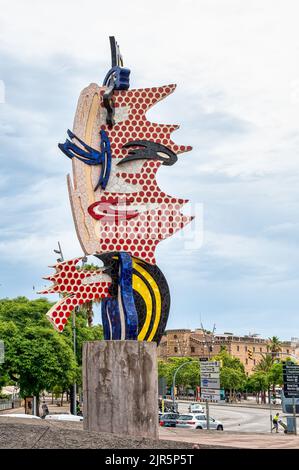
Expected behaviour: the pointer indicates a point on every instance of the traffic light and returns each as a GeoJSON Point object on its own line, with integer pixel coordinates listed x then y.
{"type": "Point", "coordinates": [250, 354]}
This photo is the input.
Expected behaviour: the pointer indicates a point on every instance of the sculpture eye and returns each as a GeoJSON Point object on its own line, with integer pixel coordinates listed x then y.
{"type": "Point", "coordinates": [146, 149]}
{"type": "Point", "coordinates": [163, 155]}
{"type": "Point", "coordinates": [90, 156]}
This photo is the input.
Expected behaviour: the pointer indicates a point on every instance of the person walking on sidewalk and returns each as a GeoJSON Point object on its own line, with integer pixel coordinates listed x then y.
{"type": "Point", "coordinates": [275, 422]}
{"type": "Point", "coordinates": [45, 409]}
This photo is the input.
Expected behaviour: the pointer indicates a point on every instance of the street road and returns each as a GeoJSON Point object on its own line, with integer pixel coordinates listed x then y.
{"type": "Point", "coordinates": [241, 419]}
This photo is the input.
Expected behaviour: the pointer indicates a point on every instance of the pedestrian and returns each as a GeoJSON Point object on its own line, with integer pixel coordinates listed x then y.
{"type": "Point", "coordinates": [45, 409]}
{"type": "Point", "coordinates": [275, 422]}
{"type": "Point", "coordinates": [78, 408]}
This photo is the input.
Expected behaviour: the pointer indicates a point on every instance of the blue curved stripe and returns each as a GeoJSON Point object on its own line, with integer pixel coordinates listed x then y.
{"type": "Point", "coordinates": [127, 298]}
{"type": "Point", "coordinates": [90, 156]}
{"type": "Point", "coordinates": [111, 319]}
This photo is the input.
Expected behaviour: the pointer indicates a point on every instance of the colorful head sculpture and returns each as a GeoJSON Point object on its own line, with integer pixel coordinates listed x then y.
{"type": "Point", "coordinates": [119, 211]}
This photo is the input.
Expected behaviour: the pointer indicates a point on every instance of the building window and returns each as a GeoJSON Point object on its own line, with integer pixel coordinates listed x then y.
{"type": "Point", "coordinates": [254, 362]}
{"type": "Point", "coordinates": [245, 348]}
{"type": "Point", "coordinates": [192, 349]}
{"type": "Point", "coordinates": [253, 349]}
{"type": "Point", "coordinates": [288, 351]}
{"type": "Point", "coordinates": [238, 348]}
{"type": "Point", "coordinates": [261, 349]}
{"type": "Point", "coordinates": [246, 361]}
{"type": "Point", "coordinates": [175, 349]}
{"type": "Point", "coordinates": [175, 336]}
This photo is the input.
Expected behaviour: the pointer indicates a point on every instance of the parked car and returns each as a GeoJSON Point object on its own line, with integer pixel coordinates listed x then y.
{"type": "Point", "coordinates": [197, 421]}
{"type": "Point", "coordinates": [64, 417]}
{"type": "Point", "coordinates": [196, 408]}
{"type": "Point", "coordinates": [168, 419]}
{"type": "Point", "coordinates": [276, 400]}
{"type": "Point", "coordinates": [19, 415]}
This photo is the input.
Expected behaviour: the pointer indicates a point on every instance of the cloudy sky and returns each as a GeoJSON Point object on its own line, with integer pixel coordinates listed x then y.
{"type": "Point", "coordinates": [237, 102]}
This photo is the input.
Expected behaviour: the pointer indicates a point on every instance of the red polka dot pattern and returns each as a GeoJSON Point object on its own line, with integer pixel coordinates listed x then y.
{"type": "Point", "coordinates": [159, 216]}
{"type": "Point", "coordinates": [73, 283]}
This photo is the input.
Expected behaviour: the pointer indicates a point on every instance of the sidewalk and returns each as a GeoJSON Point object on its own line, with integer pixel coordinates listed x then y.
{"type": "Point", "coordinates": [231, 439]}
{"type": "Point", "coordinates": [53, 409]}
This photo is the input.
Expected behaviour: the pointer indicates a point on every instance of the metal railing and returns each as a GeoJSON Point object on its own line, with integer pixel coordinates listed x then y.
{"type": "Point", "coordinates": [10, 404]}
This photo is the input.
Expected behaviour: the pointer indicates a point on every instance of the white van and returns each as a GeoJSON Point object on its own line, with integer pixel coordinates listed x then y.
{"type": "Point", "coordinates": [196, 408]}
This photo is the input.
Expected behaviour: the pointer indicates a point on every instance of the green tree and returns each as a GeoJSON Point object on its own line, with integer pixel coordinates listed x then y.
{"type": "Point", "coordinates": [24, 312]}
{"type": "Point", "coordinates": [187, 376]}
{"type": "Point", "coordinates": [37, 357]}
{"type": "Point", "coordinates": [258, 382]}
{"type": "Point", "coordinates": [274, 345]}
{"type": "Point", "coordinates": [87, 308]}
{"type": "Point", "coordinates": [275, 375]}
{"type": "Point", "coordinates": [229, 361]}
{"type": "Point", "coordinates": [232, 380]}
{"type": "Point", "coordinates": [264, 365]}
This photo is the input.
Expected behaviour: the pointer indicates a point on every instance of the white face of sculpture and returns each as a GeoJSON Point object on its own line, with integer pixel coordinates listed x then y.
{"type": "Point", "coordinates": [131, 213]}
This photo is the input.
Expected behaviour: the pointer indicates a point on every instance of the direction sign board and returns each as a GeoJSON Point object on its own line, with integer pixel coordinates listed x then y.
{"type": "Point", "coordinates": [211, 364]}
{"type": "Point", "coordinates": [210, 383]}
{"type": "Point", "coordinates": [210, 394]}
{"type": "Point", "coordinates": [291, 380]}
{"type": "Point", "coordinates": [210, 380]}
{"type": "Point", "coordinates": [207, 375]}
{"type": "Point", "coordinates": [210, 367]}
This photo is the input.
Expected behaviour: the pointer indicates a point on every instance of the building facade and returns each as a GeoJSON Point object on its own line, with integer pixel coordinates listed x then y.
{"type": "Point", "coordinates": [199, 344]}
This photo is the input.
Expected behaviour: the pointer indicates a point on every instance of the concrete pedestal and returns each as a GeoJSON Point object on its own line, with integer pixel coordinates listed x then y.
{"type": "Point", "coordinates": [120, 387]}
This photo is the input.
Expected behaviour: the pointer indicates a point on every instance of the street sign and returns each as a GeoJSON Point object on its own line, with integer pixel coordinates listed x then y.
{"type": "Point", "coordinates": [210, 383]}
{"type": "Point", "coordinates": [207, 375]}
{"type": "Point", "coordinates": [210, 380]}
{"type": "Point", "coordinates": [210, 394]}
{"type": "Point", "coordinates": [209, 367]}
{"type": "Point", "coordinates": [203, 359]}
{"type": "Point", "coordinates": [290, 380]}
{"type": "Point", "coordinates": [212, 364]}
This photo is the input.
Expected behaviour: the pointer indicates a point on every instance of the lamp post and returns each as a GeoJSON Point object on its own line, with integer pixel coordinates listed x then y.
{"type": "Point", "coordinates": [59, 252]}
{"type": "Point", "coordinates": [173, 380]}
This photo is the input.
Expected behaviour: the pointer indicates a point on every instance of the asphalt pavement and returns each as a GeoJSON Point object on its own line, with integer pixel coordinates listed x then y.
{"type": "Point", "coordinates": [242, 419]}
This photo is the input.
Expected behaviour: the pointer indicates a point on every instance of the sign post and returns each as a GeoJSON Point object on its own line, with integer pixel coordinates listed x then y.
{"type": "Point", "coordinates": [208, 415]}
{"type": "Point", "coordinates": [294, 416]}
{"type": "Point", "coordinates": [210, 380]}
{"type": "Point", "coordinates": [209, 384]}
{"type": "Point", "coordinates": [291, 387]}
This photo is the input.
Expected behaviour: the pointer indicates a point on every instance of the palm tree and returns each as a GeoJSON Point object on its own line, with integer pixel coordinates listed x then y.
{"type": "Point", "coordinates": [88, 311]}
{"type": "Point", "coordinates": [274, 346]}
{"type": "Point", "coordinates": [264, 366]}
{"type": "Point", "coordinates": [86, 308]}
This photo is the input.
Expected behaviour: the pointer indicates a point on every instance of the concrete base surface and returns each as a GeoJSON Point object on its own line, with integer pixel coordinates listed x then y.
{"type": "Point", "coordinates": [120, 387]}
{"type": "Point", "coordinates": [16, 433]}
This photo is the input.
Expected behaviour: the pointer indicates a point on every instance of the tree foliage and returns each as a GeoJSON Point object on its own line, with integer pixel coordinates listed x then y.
{"type": "Point", "coordinates": [187, 376]}
{"type": "Point", "coordinates": [37, 357]}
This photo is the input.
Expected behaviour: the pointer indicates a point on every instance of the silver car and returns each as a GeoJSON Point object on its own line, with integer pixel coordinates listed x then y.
{"type": "Point", "coordinates": [197, 421]}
